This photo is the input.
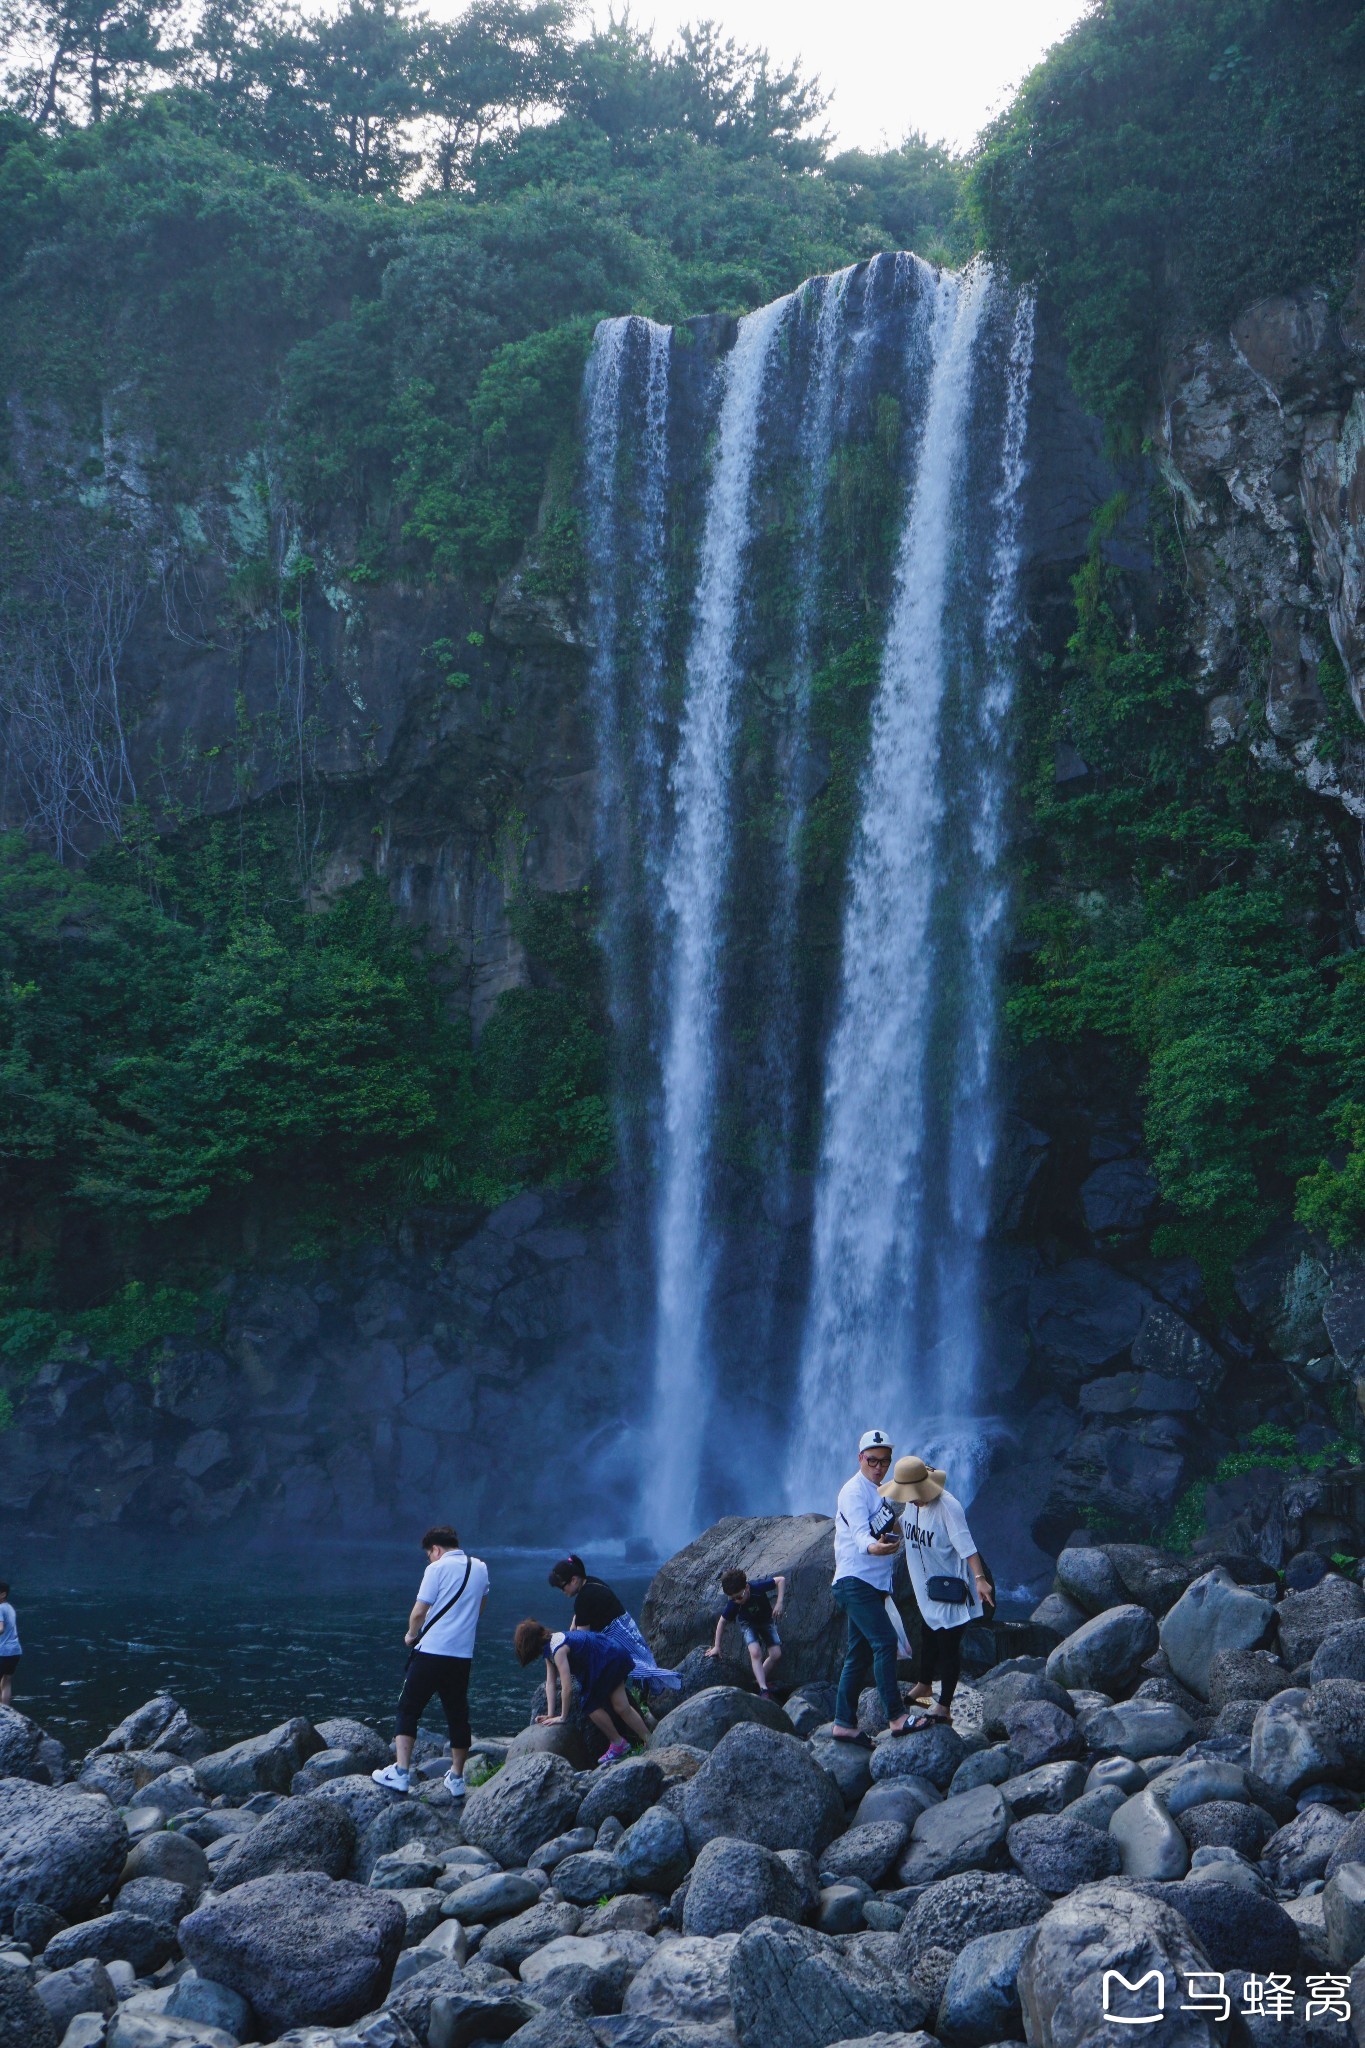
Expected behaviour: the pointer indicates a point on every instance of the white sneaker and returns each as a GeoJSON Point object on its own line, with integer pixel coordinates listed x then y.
{"type": "Point", "coordinates": [455, 1784]}
{"type": "Point", "coordinates": [393, 1778]}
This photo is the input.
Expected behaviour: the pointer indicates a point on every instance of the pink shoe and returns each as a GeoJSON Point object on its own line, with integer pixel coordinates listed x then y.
{"type": "Point", "coordinates": [614, 1754]}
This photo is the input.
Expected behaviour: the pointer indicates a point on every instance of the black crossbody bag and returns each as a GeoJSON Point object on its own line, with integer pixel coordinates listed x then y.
{"type": "Point", "coordinates": [441, 1612]}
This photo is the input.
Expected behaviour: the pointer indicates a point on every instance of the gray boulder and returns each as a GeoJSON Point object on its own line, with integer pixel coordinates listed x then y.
{"type": "Point", "coordinates": [1307, 1619]}
{"type": "Point", "coordinates": [622, 1793]}
{"type": "Point", "coordinates": [170, 1854]}
{"type": "Point", "coordinates": [1057, 1852]}
{"type": "Point", "coordinates": [949, 1915]}
{"type": "Point", "coordinates": [793, 1985]}
{"type": "Point", "coordinates": [1087, 1578]}
{"type": "Point", "coordinates": [1244, 1675]}
{"type": "Point", "coordinates": [1227, 1824]}
{"type": "Point", "coordinates": [966, 1832]}
{"type": "Point", "coordinates": [685, 1983]}
{"type": "Point", "coordinates": [322, 1767]}
{"type": "Point", "coordinates": [1118, 1197]}
{"type": "Point", "coordinates": [762, 1787]}
{"type": "Point", "coordinates": [495, 1896]}
{"type": "Point", "coordinates": [1168, 1345]}
{"type": "Point", "coordinates": [612, 1958]}
{"type": "Point", "coordinates": [263, 1763]}
{"type": "Point", "coordinates": [155, 1898]}
{"type": "Point", "coordinates": [1058, 1614]}
{"type": "Point", "coordinates": [1138, 1729]}
{"type": "Point", "coordinates": [734, 1883]}
{"type": "Point", "coordinates": [983, 1767]}
{"type": "Point", "coordinates": [1040, 1733]}
{"type": "Point", "coordinates": [1084, 1316]}
{"type": "Point", "coordinates": [1235, 1924]}
{"type": "Point", "coordinates": [1306, 1737]}
{"type": "Point", "coordinates": [303, 1949]}
{"type": "Point", "coordinates": [1196, 1780]}
{"type": "Point", "coordinates": [1350, 1844]}
{"type": "Point", "coordinates": [1150, 1844]}
{"type": "Point", "coordinates": [19, 1740]}
{"type": "Point", "coordinates": [208, 2004]}
{"type": "Point", "coordinates": [24, 2019]}
{"type": "Point", "coordinates": [848, 1763]}
{"type": "Point", "coordinates": [1343, 1910]}
{"type": "Point", "coordinates": [1103, 1927]}
{"type": "Point", "coordinates": [145, 1726]}
{"type": "Point", "coordinates": [370, 1750]}
{"type": "Point", "coordinates": [398, 1824]}
{"type": "Point", "coordinates": [1299, 1852]}
{"type": "Point", "coordinates": [652, 1855]}
{"type": "Point", "coordinates": [531, 1799]}
{"type": "Point", "coordinates": [1046, 1789]}
{"type": "Point", "coordinates": [1106, 1652]}
{"type": "Point", "coordinates": [980, 2002]}
{"type": "Point", "coordinates": [1012, 1689]}
{"type": "Point", "coordinates": [299, 1834]}
{"type": "Point", "coordinates": [702, 1721]}
{"type": "Point", "coordinates": [411, 2001]}
{"type": "Point", "coordinates": [479, 2012]}
{"type": "Point", "coordinates": [933, 1753]}
{"type": "Point", "coordinates": [1213, 1614]}
{"type": "Point", "coordinates": [868, 1851]}
{"type": "Point", "coordinates": [897, 1799]}
{"type": "Point", "coordinates": [1340, 1654]}
{"type": "Point", "coordinates": [512, 1941]}
{"type": "Point", "coordinates": [1096, 1809]}
{"type": "Point", "coordinates": [113, 1938]}
{"type": "Point", "coordinates": [81, 1987]}
{"type": "Point", "coordinates": [59, 1848]}
{"type": "Point", "coordinates": [590, 1875]}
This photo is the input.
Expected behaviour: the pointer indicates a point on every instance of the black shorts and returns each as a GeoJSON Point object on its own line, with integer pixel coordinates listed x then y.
{"type": "Point", "coordinates": [430, 1676]}
{"type": "Point", "coordinates": [9, 1665]}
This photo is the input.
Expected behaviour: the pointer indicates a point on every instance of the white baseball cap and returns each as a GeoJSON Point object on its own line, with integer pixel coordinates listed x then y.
{"type": "Point", "coordinates": [873, 1440]}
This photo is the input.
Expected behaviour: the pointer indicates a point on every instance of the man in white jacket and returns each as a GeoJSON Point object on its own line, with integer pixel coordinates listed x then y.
{"type": "Point", "coordinates": [866, 1540]}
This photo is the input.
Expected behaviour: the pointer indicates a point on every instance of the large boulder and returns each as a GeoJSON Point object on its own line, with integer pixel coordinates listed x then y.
{"type": "Point", "coordinates": [1301, 1850]}
{"type": "Point", "coordinates": [1040, 1733]}
{"type": "Point", "coordinates": [169, 1854]}
{"type": "Point", "coordinates": [734, 1883]}
{"type": "Point", "coordinates": [622, 1793]}
{"type": "Point", "coordinates": [1227, 1824]}
{"type": "Point", "coordinates": [530, 1799]}
{"type": "Point", "coordinates": [1303, 1737]}
{"type": "Point", "coordinates": [761, 1787]}
{"type": "Point", "coordinates": [651, 1856]}
{"type": "Point", "coordinates": [1236, 1924]}
{"type": "Point", "coordinates": [933, 1754]}
{"type": "Point", "coordinates": [701, 1721]}
{"type": "Point", "coordinates": [613, 1958]}
{"type": "Point", "coordinates": [1138, 1728]}
{"type": "Point", "coordinates": [1063, 1978]}
{"type": "Point", "coordinates": [966, 1832]}
{"type": "Point", "coordinates": [685, 1983]}
{"type": "Point", "coordinates": [1307, 1619]}
{"type": "Point", "coordinates": [263, 1763]}
{"type": "Point", "coordinates": [948, 1915]}
{"type": "Point", "coordinates": [1014, 1688]}
{"type": "Point", "coordinates": [1343, 1910]}
{"type": "Point", "coordinates": [684, 1598]}
{"type": "Point", "coordinates": [58, 1848]}
{"type": "Point", "coordinates": [980, 2001]}
{"type": "Point", "coordinates": [24, 2019]}
{"type": "Point", "coordinates": [1058, 1853]}
{"type": "Point", "coordinates": [1087, 1576]}
{"type": "Point", "coordinates": [370, 1750]}
{"type": "Point", "coordinates": [1340, 1654]}
{"type": "Point", "coordinates": [868, 1851]}
{"type": "Point", "coordinates": [302, 1949]}
{"type": "Point", "coordinates": [1106, 1653]}
{"type": "Point", "coordinates": [19, 1740]}
{"type": "Point", "coordinates": [1118, 1197]}
{"type": "Point", "coordinates": [510, 1943]}
{"type": "Point", "coordinates": [84, 1987]}
{"type": "Point", "coordinates": [1045, 1789]}
{"type": "Point", "coordinates": [792, 1985]}
{"type": "Point", "coordinates": [1213, 1614]}
{"type": "Point", "coordinates": [1084, 1316]}
{"type": "Point", "coordinates": [1150, 1844]}
{"type": "Point", "coordinates": [1174, 1350]}
{"type": "Point", "coordinates": [299, 1834]}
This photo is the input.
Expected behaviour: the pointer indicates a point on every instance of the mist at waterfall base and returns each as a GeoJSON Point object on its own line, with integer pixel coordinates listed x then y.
{"type": "Point", "coordinates": [247, 1635]}
{"type": "Point", "coordinates": [806, 1174]}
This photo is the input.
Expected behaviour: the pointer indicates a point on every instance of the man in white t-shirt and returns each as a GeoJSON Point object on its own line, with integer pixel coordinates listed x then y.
{"type": "Point", "coordinates": [864, 1560]}
{"type": "Point", "coordinates": [441, 1631]}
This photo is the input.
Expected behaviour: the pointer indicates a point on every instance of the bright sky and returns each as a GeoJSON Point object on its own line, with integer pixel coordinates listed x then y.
{"type": "Point", "coordinates": [941, 65]}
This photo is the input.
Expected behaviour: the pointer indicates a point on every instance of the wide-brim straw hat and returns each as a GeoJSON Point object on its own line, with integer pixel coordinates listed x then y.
{"type": "Point", "coordinates": [913, 1481]}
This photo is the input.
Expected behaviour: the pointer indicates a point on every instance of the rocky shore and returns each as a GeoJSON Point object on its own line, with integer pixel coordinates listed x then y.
{"type": "Point", "coordinates": [1175, 1787]}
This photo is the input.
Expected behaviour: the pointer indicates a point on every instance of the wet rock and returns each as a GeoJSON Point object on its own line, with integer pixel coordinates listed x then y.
{"type": "Point", "coordinates": [300, 1834]}
{"type": "Point", "coordinates": [1057, 1853]}
{"type": "Point", "coordinates": [762, 1787]}
{"type": "Point", "coordinates": [1307, 1619]}
{"type": "Point", "coordinates": [1138, 1729]}
{"type": "Point", "coordinates": [1106, 1652]}
{"type": "Point", "coordinates": [868, 1851]}
{"type": "Point", "coordinates": [685, 1982]}
{"type": "Point", "coordinates": [531, 1799]}
{"type": "Point", "coordinates": [263, 1763]}
{"type": "Point", "coordinates": [302, 1948]}
{"type": "Point", "coordinates": [794, 1985]}
{"type": "Point", "coordinates": [1089, 1580]}
{"type": "Point", "coordinates": [1299, 1852]}
{"type": "Point", "coordinates": [1197, 1780]}
{"type": "Point", "coordinates": [703, 1720]}
{"type": "Point", "coordinates": [1211, 1615]}
{"type": "Point", "coordinates": [966, 1832]}
{"type": "Point", "coordinates": [980, 2002]}
{"type": "Point", "coordinates": [1102, 1927]}
{"type": "Point", "coordinates": [1234, 1924]}
{"type": "Point", "coordinates": [1149, 1842]}
{"type": "Point", "coordinates": [59, 1848]}
{"type": "Point", "coordinates": [932, 1753]}
{"type": "Point", "coordinates": [951, 1914]}
{"type": "Point", "coordinates": [651, 1856]}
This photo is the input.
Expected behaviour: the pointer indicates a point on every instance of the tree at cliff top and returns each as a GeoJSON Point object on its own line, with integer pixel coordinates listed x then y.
{"type": "Point", "coordinates": [1169, 163]}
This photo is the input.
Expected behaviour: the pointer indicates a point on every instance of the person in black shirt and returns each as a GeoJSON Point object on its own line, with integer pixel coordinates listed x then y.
{"type": "Point", "coordinates": [750, 1605]}
{"type": "Point", "coordinates": [598, 1609]}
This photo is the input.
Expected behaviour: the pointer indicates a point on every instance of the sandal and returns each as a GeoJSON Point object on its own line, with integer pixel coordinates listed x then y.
{"type": "Point", "coordinates": [857, 1739]}
{"type": "Point", "coordinates": [923, 1721]}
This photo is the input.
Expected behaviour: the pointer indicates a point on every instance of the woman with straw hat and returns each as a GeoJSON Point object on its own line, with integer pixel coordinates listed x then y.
{"type": "Point", "coordinates": [947, 1573]}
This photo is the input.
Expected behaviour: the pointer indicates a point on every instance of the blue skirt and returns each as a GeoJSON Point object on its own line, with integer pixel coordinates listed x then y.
{"type": "Point", "coordinates": [624, 1632]}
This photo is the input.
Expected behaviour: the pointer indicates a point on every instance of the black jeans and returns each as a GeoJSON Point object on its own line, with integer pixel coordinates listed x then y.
{"type": "Point", "coordinates": [873, 1647]}
{"type": "Point", "coordinates": [940, 1657]}
{"type": "Point", "coordinates": [428, 1676]}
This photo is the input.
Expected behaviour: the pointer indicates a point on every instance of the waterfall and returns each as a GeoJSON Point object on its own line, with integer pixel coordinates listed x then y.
{"type": "Point", "coordinates": [862, 1320]}
{"type": "Point", "coordinates": [694, 884]}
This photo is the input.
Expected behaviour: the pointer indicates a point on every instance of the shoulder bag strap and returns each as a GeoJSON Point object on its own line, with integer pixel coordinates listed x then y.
{"type": "Point", "coordinates": [442, 1612]}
